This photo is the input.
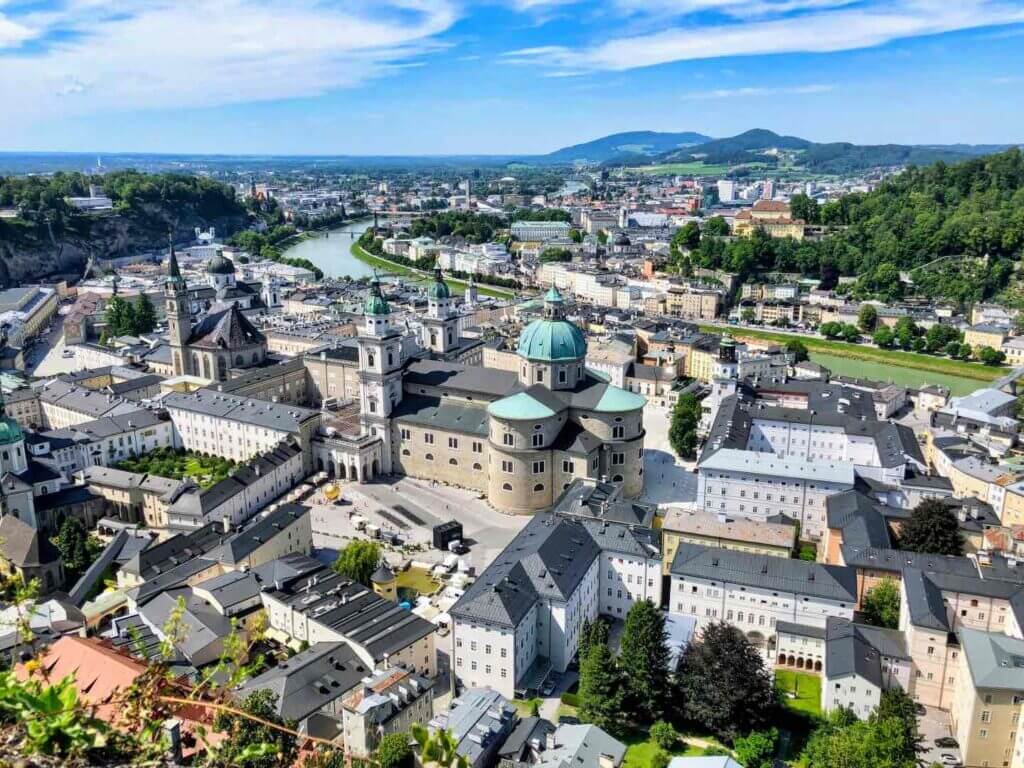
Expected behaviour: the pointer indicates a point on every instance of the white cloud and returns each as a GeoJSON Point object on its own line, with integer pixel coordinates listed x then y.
{"type": "Point", "coordinates": [813, 32]}
{"type": "Point", "coordinates": [728, 93]}
{"type": "Point", "coordinates": [12, 33]}
{"type": "Point", "coordinates": [194, 53]}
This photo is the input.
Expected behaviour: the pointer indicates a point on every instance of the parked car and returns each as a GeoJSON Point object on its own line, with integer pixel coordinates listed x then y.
{"type": "Point", "coordinates": [950, 759]}
{"type": "Point", "coordinates": [947, 742]}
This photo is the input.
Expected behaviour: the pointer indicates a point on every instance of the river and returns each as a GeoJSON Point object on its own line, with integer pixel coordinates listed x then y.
{"type": "Point", "coordinates": [332, 251]}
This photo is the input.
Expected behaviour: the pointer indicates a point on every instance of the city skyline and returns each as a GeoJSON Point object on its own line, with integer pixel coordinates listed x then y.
{"type": "Point", "coordinates": [517, 77]}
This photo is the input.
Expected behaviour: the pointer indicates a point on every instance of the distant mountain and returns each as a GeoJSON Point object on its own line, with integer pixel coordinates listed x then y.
{"type": "Point", "coordinates": [621, 147]}
{"type": "Point", "coordinates": [763, 146]}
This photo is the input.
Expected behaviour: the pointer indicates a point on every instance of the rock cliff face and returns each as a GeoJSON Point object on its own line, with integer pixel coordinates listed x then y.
{"type": "Point", "coordinates": [108, 235]}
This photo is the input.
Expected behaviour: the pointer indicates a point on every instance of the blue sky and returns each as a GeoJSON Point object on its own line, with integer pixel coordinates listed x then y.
{"type": "Point", "coordinates": [504, 76]}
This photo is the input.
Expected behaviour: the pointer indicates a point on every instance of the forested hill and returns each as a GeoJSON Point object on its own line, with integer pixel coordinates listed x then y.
{"type": "Point", "coordinates": [762, 146]}
{"type": "Point", "coordinates": [49, 236]}
{"type": "Point", "coordinates": [965, 211]}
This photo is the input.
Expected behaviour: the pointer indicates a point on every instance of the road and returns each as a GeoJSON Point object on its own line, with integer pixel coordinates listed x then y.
{"type": "Point", "coordinates": [46, 358]}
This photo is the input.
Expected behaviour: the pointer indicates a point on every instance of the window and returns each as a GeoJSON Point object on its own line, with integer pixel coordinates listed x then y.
{"type": "Point", "coordinates": [507, 439]}
{"type": "Point", "coordinates": [618, 432]}
{"type": "Point", "coordinates": [369, 359]}
{"type": "Point", "coordinates": [561, 376]}
{"type": "Point", "coordinates": [453, 462]}
{"type": "Point", "coordinates": [617, 479]}
{"type": "Point", "coordinates": [506, 486]}
{"type": "Point", "coordinates": [477, 467]}
{"type": "Point", "coordinates": [429, 457]}
{"type": "Point", "coordinates": [538, 488]}
{"type": "Point", "coordinates": [567, 467]}
{"type": "Point", "coordinates": [986, 716]}
{"type": "Point", "coordinates": [406, 452]}
{"type": "Point", "coordinates": [538, 441]}
{"type": "Point", "coordinates": [453, 442]}
{"type": "Point", "coordinates": [618, 459]}
{"type": "Point", "coordinates": [506, 467]}
{"type": "Point", "coordinates": [478, 447]}
{"type": "Point", "coordinates": [538, 467]}
{"type": "Point", "coordinates": [428, 438]}
{"type": "Point", "coordinates": [406, 434]}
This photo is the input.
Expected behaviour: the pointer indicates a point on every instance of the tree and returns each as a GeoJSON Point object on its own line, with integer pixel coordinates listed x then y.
{"type": "Point", "coordinates": [798, 349]}
{"type": "Point", "coordinates": [145, 315]}
{"type": "Point", "coordinates": [665, 735]}
{"type": "Point", "coordinates": [850, 333]}
{"type": "Point", "coordinates": [688, 237]}
{"type": "Point", "coordinates": [592, 633]}
{"type": "Point", "coordinates": [660, 759]}
{"type": "Point", "coordinates": [933, 529]}
{"type": "Point", "coordinates": [682, 434]}
{"type": "Point", "coordinates": [742, 699]}
{"type": "Point", "coordinates": [358, 560]}
{"type": "Point", "coordinates": [600, 691]}
{"type": "Point", "coordinates": [757, 749]}
{"type": "Point", "coordinates": [716, 226]}
{"type": "Point", "coordinates": [555, 254]}
{"type": "Point", "coordinates": [120, 317]}
{"type": "Point", "coordinates": [897, 704]}
{"type": "Point", "coordinates": [394, 751]}
{"type": "Point", "coordinates": [990, 356]}
{"type": "Point", "coordinates": [843, 741]}
{"type": "Point", "coordinates": [803, 207]}
{"type": "Point", "coordinates": [438, 747]}
{"type": "Point", "coordinates": [575, 235]}
{"type": "Point", "coordinates": [248, 742]}
{"type": "Point", "coordinates": [72, 543]}
{"type": "Point", "coordinates": [884, 338]}
{"type": "Point", "coordinates": [867, 318]}
{"type": "Point", "coordinates": [644, 660]}
{"type": "Point", "coordinates": [747, 315]}
{"type": "Point", "coordinates": [881, 605]}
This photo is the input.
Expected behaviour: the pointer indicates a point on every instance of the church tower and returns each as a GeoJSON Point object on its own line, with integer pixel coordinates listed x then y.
{"type": "Point", "coordinates": [441, 324]}
{"type": "Point", "coordinates": [380, 370]}
{"type": "Point", "coordinates": [471, 293]}
{"type": "Point", "coordinates": [179, 316]}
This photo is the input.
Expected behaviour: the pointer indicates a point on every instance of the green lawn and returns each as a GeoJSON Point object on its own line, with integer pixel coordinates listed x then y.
{"type": "Point", "coordinates": [892, 357]}
{"type": "Point", "coordinates": [524, 706]}
{"type": "Point", "coordinates": [390, 266]}
{"type": "Point", "coordinates": [807, 687]}
{"type": "Point", "coordinates": [694, 168]}
{"type": "Point", "coordinates": [177, 465]}
{"type": "Point", "coordinates": [641, 748]}
{"type": "Point", "coordinates": [417, 580]}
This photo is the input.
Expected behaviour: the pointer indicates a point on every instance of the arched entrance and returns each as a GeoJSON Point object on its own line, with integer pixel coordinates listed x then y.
{"type": "Point", "coordinates": [376, 468]}
{"type": "Point", "coordinates": [342, 472]}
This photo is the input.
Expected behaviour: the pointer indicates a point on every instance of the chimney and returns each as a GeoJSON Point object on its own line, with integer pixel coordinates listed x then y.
{"type": "Point", "coordinates": [549, 742]}
{"type": "Point", "coordinates": [226, 524]}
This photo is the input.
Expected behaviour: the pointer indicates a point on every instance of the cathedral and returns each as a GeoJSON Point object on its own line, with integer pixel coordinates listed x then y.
{"type": "Point", "coordinates": [224, 340]}
{"type": "Point", "coordinates": [519, 438]}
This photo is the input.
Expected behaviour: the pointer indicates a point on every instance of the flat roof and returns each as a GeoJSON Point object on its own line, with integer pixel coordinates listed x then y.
{"type": "Point", "coordinates": [734, 460]}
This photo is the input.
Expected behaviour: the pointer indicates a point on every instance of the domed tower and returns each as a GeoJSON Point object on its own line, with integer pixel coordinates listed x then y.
{"type": "Point", "coordinates": [471, 292]}
{"type": "Point", "coordinates": [440, 326]}
{"type": "Point", "coordinates": [380, 369]}
{"type": "Point", "coordinates": [384, 582]}
{"type": "Point", "coordinates": [221, 271]}
{"type": "Point", "coordinates": [727, 365]}
{"type": "Point", "coordinates": [12, 444]}
{"type": "Point", "coordinates": [552, 349]}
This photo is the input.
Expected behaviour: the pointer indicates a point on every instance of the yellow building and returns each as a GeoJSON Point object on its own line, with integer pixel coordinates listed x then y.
{"type": "Point", "coordinates": [681, 525]}
{"type": "Point", "coordinates": [771, 216]}
{"type": "Point", "coordinates": [985, 335]}
{"type": "Point", "coordinates": [703, 355]}
{"type": "Point", "coordinates": [985, 711]}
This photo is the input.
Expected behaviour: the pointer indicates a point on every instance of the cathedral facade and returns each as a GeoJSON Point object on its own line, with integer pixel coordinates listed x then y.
{"type": "Point", "coordinates": [519, 438]}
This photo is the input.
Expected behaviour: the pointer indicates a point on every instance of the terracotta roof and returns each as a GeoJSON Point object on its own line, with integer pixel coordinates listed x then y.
{"type": "Point", "coordinates": [771, 206]}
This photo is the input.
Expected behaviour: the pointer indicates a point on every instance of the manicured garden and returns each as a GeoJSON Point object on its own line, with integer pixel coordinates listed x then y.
{"type": "Point", "coordinates": [205, 471]}
{"type": "Point", "coordinates": [806, 687]}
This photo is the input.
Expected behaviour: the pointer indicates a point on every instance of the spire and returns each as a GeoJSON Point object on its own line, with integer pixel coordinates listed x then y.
{"type": "Point", "coordinates": [172, 263]}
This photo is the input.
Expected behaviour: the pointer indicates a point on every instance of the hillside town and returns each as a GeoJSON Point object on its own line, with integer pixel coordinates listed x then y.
{"type": "Point", "coordinates": [552, 461]}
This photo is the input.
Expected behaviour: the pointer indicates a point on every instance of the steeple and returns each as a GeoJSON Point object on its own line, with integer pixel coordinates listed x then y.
{"type": "Point", "coordinates": [173, 271]}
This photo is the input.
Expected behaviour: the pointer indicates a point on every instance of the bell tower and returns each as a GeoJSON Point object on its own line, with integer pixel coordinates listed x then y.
{"type": "Point", "coordinates": [441, 324]}
{"type": "Point", "coordinates": [380, 371]}
{"type": "Point", "coordinates": [179, 316]}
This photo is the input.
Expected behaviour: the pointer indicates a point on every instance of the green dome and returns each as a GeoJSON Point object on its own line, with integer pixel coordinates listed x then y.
{"type": "Point", "coordinates": [375, 302]}
{"type": "Point", "coordinates": [439, 288]}
{"type": "Point", "coordinates": [10, 432]}
{"type": "Point", "coordinates": [552, 340]}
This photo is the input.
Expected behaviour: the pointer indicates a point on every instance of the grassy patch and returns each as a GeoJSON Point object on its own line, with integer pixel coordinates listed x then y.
{"type": "Point", "coordinates": [893, 357]}
{"type": "Point", "coordinates": [390, 266]}
{"type": "Point", "coordinates": [418, 580]}
{"type": "Point", "coordinates": [641, 748]}
{"type": "Point", "coordinates": [807, 688]}
{"type": "Point", "coordinates": [525, 706]}
{"type": "Point", "coordinates": [206, 471]}
{"type": "Point", "coordinates": [694, 168]}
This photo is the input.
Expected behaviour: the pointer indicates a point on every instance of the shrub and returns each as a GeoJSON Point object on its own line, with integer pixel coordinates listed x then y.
{"type": "Point", "coordinates": [664, 735]}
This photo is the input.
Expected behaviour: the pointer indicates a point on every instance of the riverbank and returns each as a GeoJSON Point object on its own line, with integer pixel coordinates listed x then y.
{"type": "Point", "coordinates": [376, 261]}
{"type": "Point", "coordinates": [889, 357]}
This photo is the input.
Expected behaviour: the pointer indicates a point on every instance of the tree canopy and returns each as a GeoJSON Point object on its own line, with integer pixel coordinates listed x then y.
{"type": "Point", "coordinates": [358, 560]}
{"type": "Point", "coordinates": [682, 432]}
{"type": "Point", "coordinates": [644, 660]}
{"type": "Point", "coordinates": [933, 528]}
{"type": "Point", "coordinates": [881, 604]}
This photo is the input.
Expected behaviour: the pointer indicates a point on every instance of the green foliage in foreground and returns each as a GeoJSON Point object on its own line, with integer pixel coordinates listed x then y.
{"type": "Point", "coordinates": [206, 471]}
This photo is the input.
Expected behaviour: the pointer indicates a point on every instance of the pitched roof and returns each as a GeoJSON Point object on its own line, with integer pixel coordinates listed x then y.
{"type": "Point", "coordinates": [227, 329]}
{"type": "Point", "coordinates": [23, 545]}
